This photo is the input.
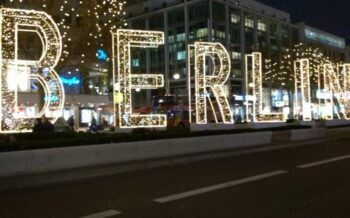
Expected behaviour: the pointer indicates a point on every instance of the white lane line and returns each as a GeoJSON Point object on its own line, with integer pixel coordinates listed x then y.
{"type": "Point", "coordinates": [103, 214]}
{"type": "Point", "coordinates": [322, 162]}
{"type": "Point", "coordinates": [219, 186]}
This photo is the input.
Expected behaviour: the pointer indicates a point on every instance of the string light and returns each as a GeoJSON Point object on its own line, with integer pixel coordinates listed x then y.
{"type": "Point", "coordinates": [15, 72]}
{"type": "Point", "coordinates": [254, 81]}
{"type": "Point", "coordinates": [282, 70]}
{"type": "Point", "coordinates": [215, 82]}
{"type": "Point", "coordinates": [125, 40]}
{"type": "Point", "coordinates": [332, 84]}
{"type": "Point", "coordinates": [190, 55]}
{"type": "Point", "coordinates": [311, 67]}
{"type": "Point", "coordinates": [302, 86]}
{"type": "Point", "coordinates": [97, 18]}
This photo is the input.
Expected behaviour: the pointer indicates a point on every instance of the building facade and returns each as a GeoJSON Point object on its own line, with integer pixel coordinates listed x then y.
{"type": "Point", "coordinates": [334, 47]}
{"type": "Point", "coordinates": [347, 54]}
{"type": "Point", "coordinates": [242, 27]}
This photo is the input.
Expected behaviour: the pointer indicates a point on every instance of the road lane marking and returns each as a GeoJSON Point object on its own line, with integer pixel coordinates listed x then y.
{"type": "Point", "coordinates": [103, 214]}
{"type": "Point", "coordinates": [218, 187]}
{"type": "Point", "coordinates": [322, 162]}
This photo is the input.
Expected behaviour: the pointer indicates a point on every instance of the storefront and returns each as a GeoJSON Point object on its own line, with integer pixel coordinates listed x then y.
{"type": "Point", "coordinates": [83, 108]}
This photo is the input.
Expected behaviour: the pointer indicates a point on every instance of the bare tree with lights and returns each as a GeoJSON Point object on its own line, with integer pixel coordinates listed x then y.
{"type": "Point", "coordinates": [280, 73]}
{"type": "Point", "coordinates": [85, 25]}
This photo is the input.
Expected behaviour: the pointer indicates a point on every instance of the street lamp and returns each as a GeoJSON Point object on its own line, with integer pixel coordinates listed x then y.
{"type": "Point", "coordinates": [176, 76]}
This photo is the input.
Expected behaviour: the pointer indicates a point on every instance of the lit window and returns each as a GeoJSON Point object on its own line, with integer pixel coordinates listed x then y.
{"type": "Point", "coordinates": [249, 22]}
{"type": "Point", "coordinates": [202, 32]}
{"type": "Point", "coordinates": [323, 38]}
{"type": "Point", "coordinates": [136, 62]}
{"type": "Point", "coordinates": [236, 55]}
{"type": "Point", "coordinates": [262, 26]}
{"type": "Point", "coordinates": [181, 55]}
{"type": "Point", "coordinates": [181, 37]}
{"type": "Point", "coordinates": [171, 39]}
{"type": "Point", "coordinates": [235, 18]}
{"type": "Point", "coordinates": [220, 34]}
{"type": "Point", "coordinates": [236, 73]}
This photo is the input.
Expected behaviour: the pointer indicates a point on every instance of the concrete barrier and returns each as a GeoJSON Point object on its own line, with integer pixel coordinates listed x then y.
{"type": "Point", "coordinates": [265, 125]}
{"type": "Point", "coordinates": [210, 127]}
{"type": "Point", "coordinates": [215, 126]}
{"type": "Point", "coordinates": [23, 163]}
{"type": "Point", "coordinates": [307, 134]}
{"type": "Point", "coordinates": [334, 123]}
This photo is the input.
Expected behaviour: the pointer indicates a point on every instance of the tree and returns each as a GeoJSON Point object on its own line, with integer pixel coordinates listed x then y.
{"type": "Point", "coordinates": [85, 26]}
{"type": "Point", "coordinates": [281, 73]}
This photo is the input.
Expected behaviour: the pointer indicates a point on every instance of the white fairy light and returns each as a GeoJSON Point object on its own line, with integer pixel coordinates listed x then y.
{"type": "Point", "coordinates": [254, 82]}
{"type": "Point", "coordinates": [123, 41]}
{"type": "Point", "coordinates": [13, 70]}
{"type": "Point", "coordinates": [333, 84]}
{"type": "Point", "coordinates": [302, 85]}
{"type": "Point", "coordinates": [215, 82]}
{"type": "Point", "coordinates": [190, 54]}
{"type": "Point", "coordinates": [101, 18]}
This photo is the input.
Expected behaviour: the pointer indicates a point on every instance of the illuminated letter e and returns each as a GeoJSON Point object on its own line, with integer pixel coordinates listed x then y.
{"type": "Point", "coordinates": [127, 81]}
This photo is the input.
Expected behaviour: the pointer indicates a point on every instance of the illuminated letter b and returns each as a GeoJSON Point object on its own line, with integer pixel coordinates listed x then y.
{"type": "Point", "coordinates": [15, 73]}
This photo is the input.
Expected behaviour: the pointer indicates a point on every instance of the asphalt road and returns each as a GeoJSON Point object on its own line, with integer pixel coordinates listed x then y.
{"type": "Point", "coordinates": [311, 181]}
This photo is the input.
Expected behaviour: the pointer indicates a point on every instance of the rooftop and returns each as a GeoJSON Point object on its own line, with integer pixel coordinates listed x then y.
{"type": "Point", "coordinates": [140, 7]}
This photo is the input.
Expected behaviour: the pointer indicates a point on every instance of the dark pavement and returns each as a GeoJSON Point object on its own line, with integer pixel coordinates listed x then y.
{"type": "Point", "coordinates": [274, 184]}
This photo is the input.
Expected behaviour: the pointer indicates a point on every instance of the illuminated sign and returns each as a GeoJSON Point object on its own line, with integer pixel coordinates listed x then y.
{"type": "Point", "coordinates": [323, 94]}
{"type": "Point", "coordinates": [53, 98]}
{"type": "Point", "coordinates": [214, 82]}
{"type": "Point", "coordinates": [123, 41]}
{"type": "Point", "coordinates": [14, 72]}
{"type": "Point", "coordinates": [336, 82]}
{"type": "Point", "coordinates": [70, 81]}
{"type": "Point", "coordinates": [102, 55]}
{"type": "Point", "coordinates": [212, 69]}
{"type": "Point", "coordinates": [254, 86]}
{"type": "Point", "coordinates": [302, 102]}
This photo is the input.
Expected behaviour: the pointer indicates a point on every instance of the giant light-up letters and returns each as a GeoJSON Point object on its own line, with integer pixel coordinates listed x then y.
{"type": "Point", "coordinates": [208, 87]}
{"type": "Point", "coordinates": [215, 82]}
{"type": "Point", "coordinates": [125, 40]}
{"type": "Point", "coordinates": [337, 83]}
{"type": "Point", "coordinates": [254, 81]}
{"type": "Point", "coordinates": [302, 99]}
{"type": "Point", "coordinates": [14, 73]}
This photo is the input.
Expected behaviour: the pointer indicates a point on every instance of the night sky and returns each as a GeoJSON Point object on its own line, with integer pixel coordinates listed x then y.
{"type": "Point", "coordinates": [330, 15]}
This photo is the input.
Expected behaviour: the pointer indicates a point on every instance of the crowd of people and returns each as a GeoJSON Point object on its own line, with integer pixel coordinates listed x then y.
{"type": "Point", "coordinates": [44, 125]}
